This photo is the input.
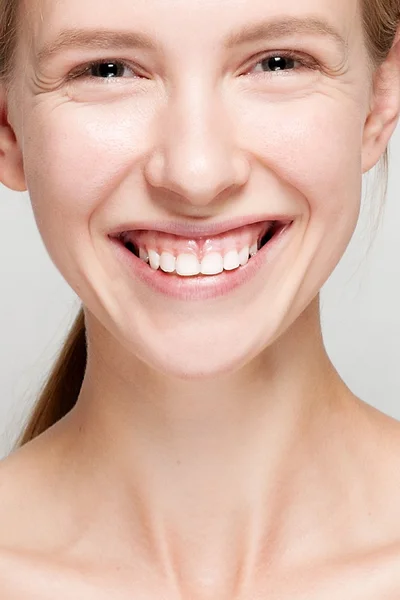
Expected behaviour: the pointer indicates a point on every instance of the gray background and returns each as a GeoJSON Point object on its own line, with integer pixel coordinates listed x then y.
{"type": "Point", "coordinates": [360, 306]}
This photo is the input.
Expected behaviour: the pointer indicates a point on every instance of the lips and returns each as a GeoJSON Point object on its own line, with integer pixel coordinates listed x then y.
{"type": "Point", "coordinates": [205, 255]}
{"type": "Point", "coordinates": [203, 282]}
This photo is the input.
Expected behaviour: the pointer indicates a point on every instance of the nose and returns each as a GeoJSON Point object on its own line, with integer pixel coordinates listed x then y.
{"type": "Point", "coordinates": [195, 155]}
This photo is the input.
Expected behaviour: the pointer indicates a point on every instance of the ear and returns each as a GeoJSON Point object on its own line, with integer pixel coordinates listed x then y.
{"type": "Point", "coordinates": [11, 163]}
{"type": "Point", "coordinates": [385, 108]}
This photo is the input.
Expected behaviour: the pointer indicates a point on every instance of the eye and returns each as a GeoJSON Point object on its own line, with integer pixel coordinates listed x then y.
{"type": "Point", "coordinates": [283, 62]}
{"type": "Point", "coordinates": [116, 69]}
{"type": "Point", "coordinates": [103, 69]}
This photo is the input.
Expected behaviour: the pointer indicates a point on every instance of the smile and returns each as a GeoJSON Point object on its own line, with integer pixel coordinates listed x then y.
{"type": "Point", "coordinates": [202, 256]}
{"type": "Point", "coordinates": [146, 253]}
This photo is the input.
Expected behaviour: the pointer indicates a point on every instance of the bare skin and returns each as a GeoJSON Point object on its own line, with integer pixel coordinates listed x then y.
{"type": "Point", "coordinates": [326, 523]}
{"type": "Point", "coordinates": [214, 451]}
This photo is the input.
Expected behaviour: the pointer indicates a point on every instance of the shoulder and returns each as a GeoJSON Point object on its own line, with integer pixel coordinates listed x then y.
{"type": "Point", "coordinates": [15, 513]}
{"type": "Point", "coordinates": [24, 496]}
{"type": "Point", "coordinates": [29, 567]}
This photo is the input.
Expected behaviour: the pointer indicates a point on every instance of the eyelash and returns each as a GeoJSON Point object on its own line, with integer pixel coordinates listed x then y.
{"type": "Point", "coordinates": [305, 62]}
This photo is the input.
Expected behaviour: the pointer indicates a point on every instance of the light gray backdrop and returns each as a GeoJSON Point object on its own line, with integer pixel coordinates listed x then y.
{"type": "Point", "coordinates": [360, 306]}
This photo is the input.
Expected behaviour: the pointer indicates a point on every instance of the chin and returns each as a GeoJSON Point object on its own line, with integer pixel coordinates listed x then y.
{"type": "Point", "coordinates": [191, 360]}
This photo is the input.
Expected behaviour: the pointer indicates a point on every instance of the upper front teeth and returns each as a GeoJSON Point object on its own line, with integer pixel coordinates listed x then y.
{"type": "Point", "coordinates": [212, 264]}
{"type": "Point", "coordinates": [187, 264]}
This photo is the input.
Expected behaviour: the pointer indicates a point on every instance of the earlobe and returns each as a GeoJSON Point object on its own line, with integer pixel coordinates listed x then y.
{"type": "Point", "coordinates": [384, 114]}
{"type": "Point", "coordinates": [11, 163]}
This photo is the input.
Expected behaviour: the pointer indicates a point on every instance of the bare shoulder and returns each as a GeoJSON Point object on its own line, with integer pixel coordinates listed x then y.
{"type": "Point", "coordinates": [29, 518]}
{"type": "Point", "coordinates": [378, 436]}
{"type": "Point", "coordinates": [29, 479]}
{"type": "Point", "coordinates": [35, 535]}
{"type": "Point", "coordinates": [18, 502]}
{"type": "Point", "coordinates": [17, 513]}
{"type": "Point", "coordinates": [29, 567]}
{"type": "Point", "coordinates": [27, 499]}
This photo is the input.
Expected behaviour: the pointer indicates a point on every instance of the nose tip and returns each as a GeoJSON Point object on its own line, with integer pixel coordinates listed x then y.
{"type": "Point", "coordinates": [199, 178]}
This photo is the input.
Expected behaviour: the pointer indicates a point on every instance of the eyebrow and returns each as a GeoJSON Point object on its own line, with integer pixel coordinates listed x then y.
{"type": "Point", "coordinates": [117, 40]}
{"type": "Point", "coordinates": [279, 28]}
{"type": "Point", "coordinates": [96, 39]}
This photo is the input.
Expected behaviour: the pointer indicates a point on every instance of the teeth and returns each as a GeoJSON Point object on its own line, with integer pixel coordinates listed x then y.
{"type": "Point", "coordinates": [154, 259]}
{"type": "Point", "coordinates": [254, 249]}
{"type": "Point", "coordinates": [231, 260]}
{"type": "Point", "coordinates": [187, 265]}
{"type": "Point", "coordinates": [244, 256]}
{"type": "Point", "coordinates": [143, 255]}
{"type": "Point", "coordinates": [167, 262]}
{"type": "Point", "coordinates": [212, 264]}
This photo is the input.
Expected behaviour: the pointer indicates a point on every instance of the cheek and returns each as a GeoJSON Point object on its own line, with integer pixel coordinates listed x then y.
{"type": "Point", "coordinates": [313, 148]}
{"type": "Point", "coordinates": [82, 155]}
{"type": "Point", "coordinates": [82, 152]}
{"type": "Point", "coordinates": [76, 159]}
{"type": "Point", "coordinates": [312, 144]}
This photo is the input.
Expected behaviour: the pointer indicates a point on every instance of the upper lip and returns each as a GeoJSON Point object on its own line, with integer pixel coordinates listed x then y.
{"type": "Point", "coordinates": [197, 230]}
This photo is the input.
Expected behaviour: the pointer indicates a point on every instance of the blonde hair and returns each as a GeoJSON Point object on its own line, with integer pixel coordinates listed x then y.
{"type": "Point", "coordinates": [60, 393]}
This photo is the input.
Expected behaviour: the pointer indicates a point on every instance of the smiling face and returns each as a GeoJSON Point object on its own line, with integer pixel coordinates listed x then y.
{"type": "Point", "coordinates": [193, 127]}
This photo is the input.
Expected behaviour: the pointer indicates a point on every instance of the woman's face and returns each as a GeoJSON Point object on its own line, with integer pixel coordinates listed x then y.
{"type": "Point", "coordinates": [193, 131]}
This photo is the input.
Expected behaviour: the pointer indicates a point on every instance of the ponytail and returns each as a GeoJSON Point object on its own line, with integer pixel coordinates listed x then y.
{"type": "Point", "coordinates": [61, 390]}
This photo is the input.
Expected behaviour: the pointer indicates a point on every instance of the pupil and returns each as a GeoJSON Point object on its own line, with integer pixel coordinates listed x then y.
{"type": "Point", "coordinates": [277, 63]}
{"type": "Point", "coordinates": [106, 69]}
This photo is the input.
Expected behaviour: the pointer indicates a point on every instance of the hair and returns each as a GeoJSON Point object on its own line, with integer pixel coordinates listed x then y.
{"type": "Point", "coordinates": [60, 392]}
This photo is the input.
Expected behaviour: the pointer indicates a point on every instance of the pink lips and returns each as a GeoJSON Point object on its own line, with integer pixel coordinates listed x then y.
{"type": "Point", "coordinates": [200, 287]}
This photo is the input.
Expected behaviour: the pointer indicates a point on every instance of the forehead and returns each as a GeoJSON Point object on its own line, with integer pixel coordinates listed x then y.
{"type": "Point", "coordinates": [188, 23]}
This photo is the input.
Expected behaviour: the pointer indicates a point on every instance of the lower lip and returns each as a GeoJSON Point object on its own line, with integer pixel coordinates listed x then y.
{"type": "Point", "coordinates": [201, 287]}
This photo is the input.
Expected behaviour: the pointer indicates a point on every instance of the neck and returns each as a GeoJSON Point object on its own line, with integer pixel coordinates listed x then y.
{"type": "Point", "coordinates": [202, 472]}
